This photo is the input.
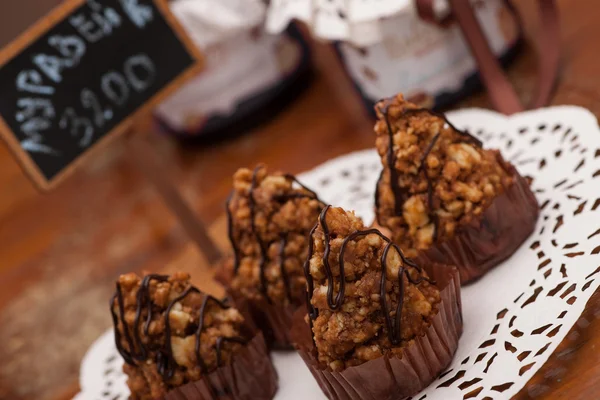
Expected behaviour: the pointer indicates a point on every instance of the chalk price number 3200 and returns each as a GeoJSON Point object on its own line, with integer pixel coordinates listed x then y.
{"type": "Point", "coordinates": [138, 74]}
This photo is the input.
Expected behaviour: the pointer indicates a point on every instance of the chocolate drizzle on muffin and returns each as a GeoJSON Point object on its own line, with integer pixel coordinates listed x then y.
{"type": "Point", "coordinates": [180, 343]}
{"type": "Point", "coordinates": [393, 328]}
{"type": "Point", "coordinates": [143, 301]}
{"type": "Point", "coordinates": [443, 196]}
{"type": "Point", "coordinates": [269, 217]}
{"type": "Point", "coordinates": [365, 298]}
{"type": "Point", "coordinates": [282, 237]}
{"type": "Point", "coordinates": [165, 361]}
{"type": "Point", "coordinates": [261, 243]}
{"type": "Point", "coordinates": [400, 195]}
{"type": "Point", "coordinates": [435, 177]}
{"type": "Point", "coordinates": [284, 275]}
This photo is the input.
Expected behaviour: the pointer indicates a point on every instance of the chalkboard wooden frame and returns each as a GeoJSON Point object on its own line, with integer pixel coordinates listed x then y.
{"type": "Point", "coordinates": [42, 27]}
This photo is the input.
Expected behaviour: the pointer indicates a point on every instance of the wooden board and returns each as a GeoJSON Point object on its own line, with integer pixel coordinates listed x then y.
{"type": "Point", "coordinates": [82, 74]}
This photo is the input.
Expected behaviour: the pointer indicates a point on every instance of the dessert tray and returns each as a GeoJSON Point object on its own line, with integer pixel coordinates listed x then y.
{"type": "Point", "coordinates": [519, 312]}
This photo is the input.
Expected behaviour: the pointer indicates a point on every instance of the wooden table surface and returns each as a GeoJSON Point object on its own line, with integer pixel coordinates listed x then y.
{"type": "Point", "coordinates": [61, 251]}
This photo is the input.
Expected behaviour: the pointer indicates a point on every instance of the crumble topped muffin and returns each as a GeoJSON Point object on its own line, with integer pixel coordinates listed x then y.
{"type": "Point", "coordinates": [444, 198]}
{"type": "Point", "coordinates": [269, 220]}
{"type": "Point", "coordinates": [366, 298]}
{"type": "Point", "coordinates": [270, 217]}
{"type": "Point", "coordinates": [171, 334]}
{"type": "Point", "coordinates": [435, 177]}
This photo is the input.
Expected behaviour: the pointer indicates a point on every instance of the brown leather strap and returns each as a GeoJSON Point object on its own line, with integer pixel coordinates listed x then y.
{"type": "Point", "coordinates": [501, 92]}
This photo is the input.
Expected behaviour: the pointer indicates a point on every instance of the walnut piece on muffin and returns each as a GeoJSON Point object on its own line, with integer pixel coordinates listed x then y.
{"type": "Point", "coordinates": [169, 333]}
{"type": "Point", "coordinates": [366, 298]}
{"type": "Point", "coordinates": [270, 216]}
{"type": "Point", "coordinates": [435, 177]}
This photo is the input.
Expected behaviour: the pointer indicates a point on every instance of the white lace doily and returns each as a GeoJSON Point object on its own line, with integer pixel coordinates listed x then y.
{"type": "Point", "coordinates": [518, 313]}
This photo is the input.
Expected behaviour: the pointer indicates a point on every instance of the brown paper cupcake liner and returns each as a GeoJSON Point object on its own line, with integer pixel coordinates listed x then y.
{"type": "Point", "coordinates": [484, 243]}
{"type": "Point", "coordinates": [391, 377]}
{"type": "Point", "coordinates": [249, 375]}
{"type": "Point", "coordinates": [274, 320]}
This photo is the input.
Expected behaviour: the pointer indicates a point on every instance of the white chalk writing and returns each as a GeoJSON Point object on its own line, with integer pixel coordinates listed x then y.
{"type": "Point", "coordinates": [80, 127]}
{"type": "Point", "coordinates": [140, 64]}
{"type": "Point", "coordinates": [29, 107]}
{"type": "Point", "coordinates": [92, 23]}
{"type": "Point", "coordinates": [71, 47]}
{"type": "Point", "coordinates": [139, 14]}
{"type": "Point", "coordinates": [31, 81]}
{"type": "Point", "coordinates": [115, 88]}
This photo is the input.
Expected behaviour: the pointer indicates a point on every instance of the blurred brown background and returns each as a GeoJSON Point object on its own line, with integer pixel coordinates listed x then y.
{"type": "Point", "coordinates": [16, 15]}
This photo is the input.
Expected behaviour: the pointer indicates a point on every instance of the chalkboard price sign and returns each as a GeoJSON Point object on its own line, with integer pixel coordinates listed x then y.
{"type": "Point", "coordinates": [79, 77]}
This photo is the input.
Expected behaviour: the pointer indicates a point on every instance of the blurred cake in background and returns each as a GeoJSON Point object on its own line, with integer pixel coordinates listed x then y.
{"type": "Point", "coordinates": [249, 74]}
{"type": "Point", "coordinates": [387, 48]}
